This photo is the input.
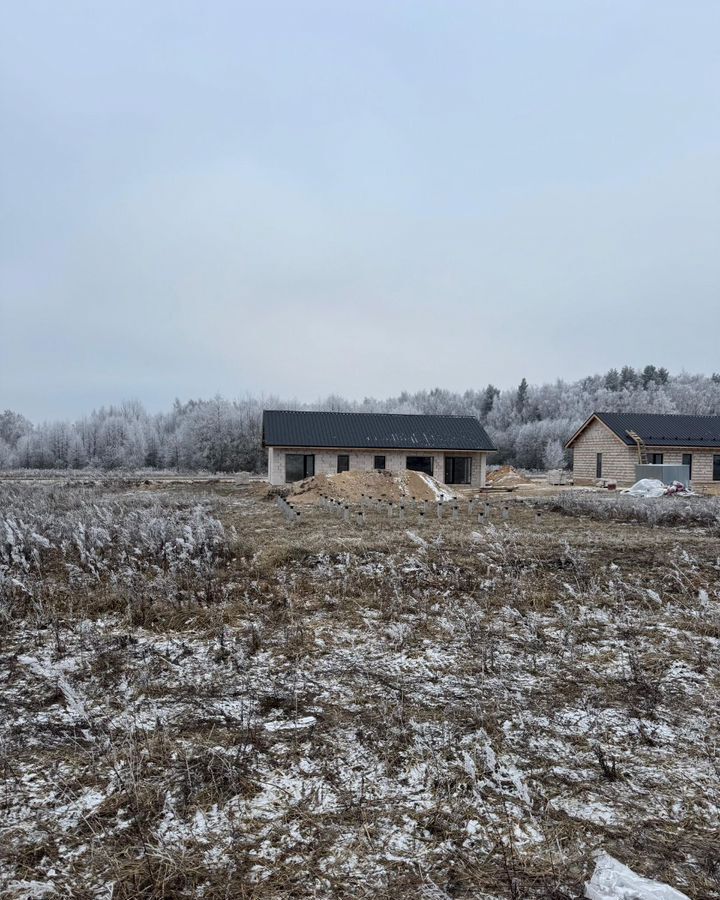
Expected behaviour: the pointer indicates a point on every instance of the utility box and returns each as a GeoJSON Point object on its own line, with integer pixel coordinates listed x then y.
{"type": "Point", "coordinates": [666, 474]}
{"type": "Point", "coordinates": [559, 476]}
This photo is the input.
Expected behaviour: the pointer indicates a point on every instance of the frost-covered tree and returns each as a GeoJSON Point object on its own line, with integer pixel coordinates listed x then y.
{"type": "Point", "coordinates": [526, 424]}
{"type": "Point", "coordinates": [6, 454]}
{"type": "Point", "coordinates": [554, 454]}
{"type": "Point", "coordinates": [113, 442]}
{"type": "Point", "coordinates": [521, 396]}
{"type": "Point", "coordinates": [649, 376]}
{"type": "Point", "coordinates": [12, 427]}
{"type": "Point", "coordinates": [628, 377]}
{"type": "Point", "coordinates": [488, 400]}
{"type": "Point", "coordinates": [612, 380]}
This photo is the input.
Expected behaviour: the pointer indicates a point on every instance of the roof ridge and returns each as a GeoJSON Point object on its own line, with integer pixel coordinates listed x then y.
{"type": "Point", "coordinates": [348, 412]}
{"type": "Point", "coordinates": [663, 415]}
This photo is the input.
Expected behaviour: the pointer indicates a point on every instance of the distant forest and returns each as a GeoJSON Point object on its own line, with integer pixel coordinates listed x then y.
{"type": "Point", "coordinates": [529, 424]}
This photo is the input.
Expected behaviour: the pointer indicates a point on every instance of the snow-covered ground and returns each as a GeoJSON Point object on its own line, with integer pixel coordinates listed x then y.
{"type": "Point", "coordinates": [200, 701]}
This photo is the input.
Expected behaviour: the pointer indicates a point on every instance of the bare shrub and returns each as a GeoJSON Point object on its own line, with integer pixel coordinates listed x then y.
{"type": "Point", "coordinates": [665, 511]}
{"type": "Point", "coordinates": [89, 540]}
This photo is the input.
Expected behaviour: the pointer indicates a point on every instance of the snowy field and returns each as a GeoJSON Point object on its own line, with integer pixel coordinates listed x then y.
{"type": "Point", "coordinates": [200, 700]}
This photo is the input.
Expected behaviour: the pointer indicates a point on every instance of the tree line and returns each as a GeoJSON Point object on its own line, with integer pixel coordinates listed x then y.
{"type": "Point", "coordinates": [529, 424]}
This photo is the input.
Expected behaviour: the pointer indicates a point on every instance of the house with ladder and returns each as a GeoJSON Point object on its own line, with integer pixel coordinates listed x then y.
{"type": "Point", "coordinates": [610, 445]}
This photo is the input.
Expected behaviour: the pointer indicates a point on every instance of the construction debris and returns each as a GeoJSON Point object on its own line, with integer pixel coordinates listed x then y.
{"type": "Point", "coordinates": [652, 487]}
{"type": "Point", "coordinates": [559, 476]}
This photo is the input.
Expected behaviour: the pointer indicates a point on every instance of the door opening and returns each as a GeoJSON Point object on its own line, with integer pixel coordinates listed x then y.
{"type": "Point", "coordinates": [458, 469]}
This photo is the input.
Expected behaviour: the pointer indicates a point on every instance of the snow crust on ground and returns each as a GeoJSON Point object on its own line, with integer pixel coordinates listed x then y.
{"type": "Point", "coordinates": [372, 706]}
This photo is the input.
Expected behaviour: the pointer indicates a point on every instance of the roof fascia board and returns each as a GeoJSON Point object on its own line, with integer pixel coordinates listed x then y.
{"type": "Point", "coordinates": [708, 446]}
{"type": "Point", "coordinates": [419, 450]}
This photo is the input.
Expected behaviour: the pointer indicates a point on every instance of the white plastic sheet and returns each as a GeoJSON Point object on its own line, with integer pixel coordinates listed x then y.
{"type": "Point", "coordinates": [613, 881]}
{"type": "Point", "coordinates": [648, 487]}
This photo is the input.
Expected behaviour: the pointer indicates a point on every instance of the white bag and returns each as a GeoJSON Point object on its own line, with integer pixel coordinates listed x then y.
{"type": "Point", "coordinates": [613, 881]}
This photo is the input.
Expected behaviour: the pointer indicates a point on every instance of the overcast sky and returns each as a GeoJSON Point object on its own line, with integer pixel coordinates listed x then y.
{"type": "Point", "coordinates": [354, 197]}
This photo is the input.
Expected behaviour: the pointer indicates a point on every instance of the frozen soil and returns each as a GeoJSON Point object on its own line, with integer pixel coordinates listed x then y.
{"type": "Point", "coordinates": [200, 700]}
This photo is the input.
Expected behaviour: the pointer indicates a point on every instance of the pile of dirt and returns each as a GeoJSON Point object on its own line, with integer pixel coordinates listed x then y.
{"type": "Point", "coordinates": [352, 486]}
{"type": "Point", "coordinates": [505, 476]}
{"type": "Point", "coordinates": [423, 487]}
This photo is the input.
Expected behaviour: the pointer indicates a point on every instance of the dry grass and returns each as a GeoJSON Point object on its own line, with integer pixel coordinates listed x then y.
{"type": "Point", "coordinates": [426, 707]}
{"type": "Point", "coordinates": [672, 511]}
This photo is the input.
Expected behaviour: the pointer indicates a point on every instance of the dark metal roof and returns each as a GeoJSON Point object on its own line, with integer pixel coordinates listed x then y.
{"type": "Point", "coordinates": [659, 430]}
{"type": "Point", "coordinates": [389, 431]}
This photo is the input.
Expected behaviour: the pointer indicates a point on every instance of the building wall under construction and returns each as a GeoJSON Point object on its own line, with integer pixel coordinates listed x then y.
{"type": "Point", "coordinates": [619, 460]}
{"type": "Point", "coordinates": [364, 461]}
{"type": "Point", "coordinates": [702, 465]}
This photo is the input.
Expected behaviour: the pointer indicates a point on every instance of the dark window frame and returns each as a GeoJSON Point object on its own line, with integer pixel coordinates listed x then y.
{"type": "Point", "coordinates": [308, 466]}
{"type": "Point", "coordinates": [656, 459]}
{"type": "Point", "coordinates": [687, 460]}
{"type": "Point", "coordinates": [419, 467]}
{"type": "Point", "coordinates": [451, 467]}
{"type": "Point", "coordinates": [343, 466]}
{"type": "Point", "coordinates": [716, 467]}
{"type": "Point", "coordinates": [598, 465]}
{"type": "Point", "coordinates": [376, 465]}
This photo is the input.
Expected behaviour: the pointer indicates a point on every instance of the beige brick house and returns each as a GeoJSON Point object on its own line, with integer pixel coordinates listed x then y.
{"type": "Point", "coordinates": [610, 445]}
{"type": "Point", "coordinates": [453, 449]}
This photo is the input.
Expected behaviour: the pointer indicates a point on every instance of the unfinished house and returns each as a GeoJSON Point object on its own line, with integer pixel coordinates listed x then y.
{"type": "Point", "coordinates": [610, 445]}
{"type": "Point", "coordinates": [453, 449]}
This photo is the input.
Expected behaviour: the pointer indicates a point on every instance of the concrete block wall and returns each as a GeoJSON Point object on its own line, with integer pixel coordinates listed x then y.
{"type": "Point", "coordinates": [363, 460]}
{"type": "Point", "coordinates": [618, 459]}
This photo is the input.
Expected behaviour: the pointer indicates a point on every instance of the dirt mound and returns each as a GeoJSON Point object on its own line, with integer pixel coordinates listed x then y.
{"type": "Point", "coordinates": [506, 476]}
{"type": "Point", "coordinates": [351, 486]}
{"type": "Point", "coordinates": [424, 487]}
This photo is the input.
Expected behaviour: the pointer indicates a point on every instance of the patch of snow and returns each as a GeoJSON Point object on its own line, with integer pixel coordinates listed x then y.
{"type": "Point", "coordinates": [29, 890]}
{"type": "Point", "coordinates": [293, 725]}
{"type": "Point", "coordinates": [587, 811]}
{"type": "Point", "coordinates": [437, 489]}
{"type": "Point", "coordinates": [515, 776]}
{"type": "Point", "coordinates": [47, 670]}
